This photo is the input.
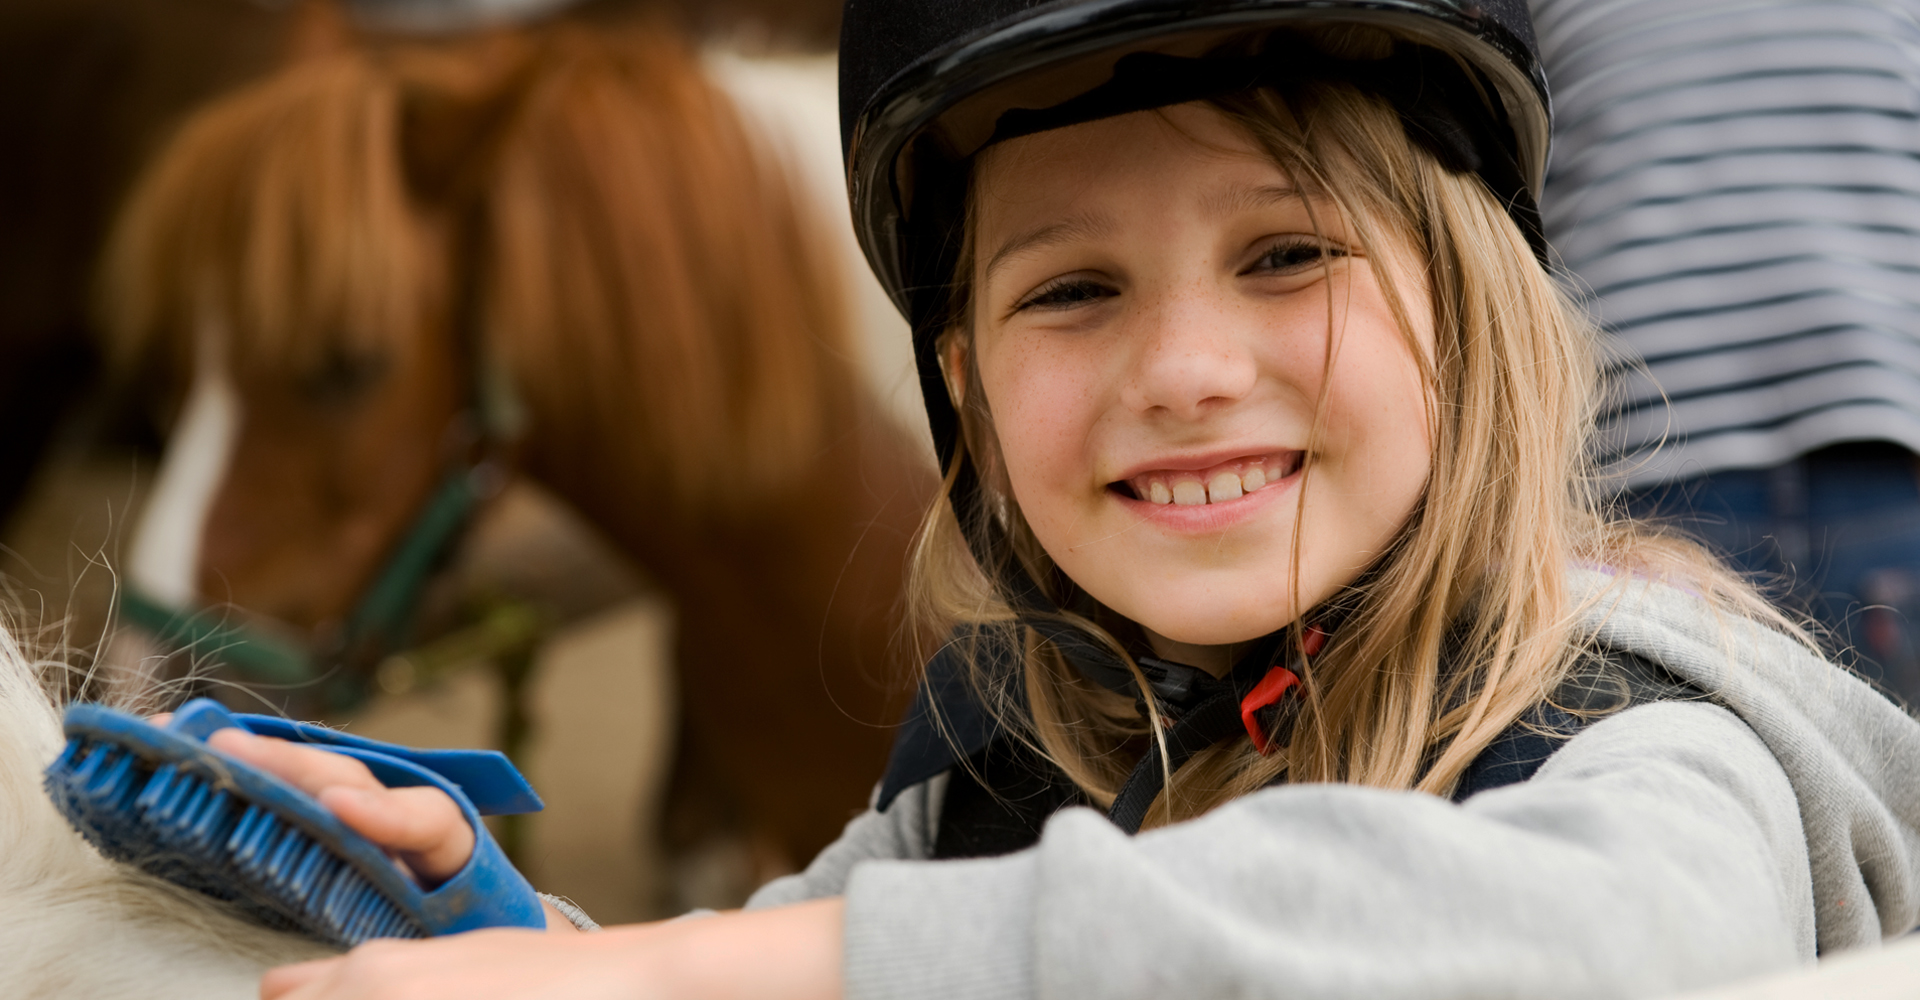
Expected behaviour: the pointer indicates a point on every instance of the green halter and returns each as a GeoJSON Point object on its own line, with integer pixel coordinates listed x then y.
{"type": "Point", "coordinates": [381, 622]}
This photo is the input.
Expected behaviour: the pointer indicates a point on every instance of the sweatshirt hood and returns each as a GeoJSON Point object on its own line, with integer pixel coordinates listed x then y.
{"type": "Point", "coordinates": [1852, 756]}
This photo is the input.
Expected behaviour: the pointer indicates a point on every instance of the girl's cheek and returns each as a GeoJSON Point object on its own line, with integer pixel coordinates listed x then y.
{"type": "Point", "coordinates": [1037, 448]}
{"type": "Point", "coordinates": [1033, 395]}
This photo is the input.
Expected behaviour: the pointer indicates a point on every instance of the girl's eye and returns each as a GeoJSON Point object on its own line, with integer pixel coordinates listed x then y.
{"type": "Point", "coordinates": [1295, 256]}
{"type": "Point", "coordinates": [1065, 293]}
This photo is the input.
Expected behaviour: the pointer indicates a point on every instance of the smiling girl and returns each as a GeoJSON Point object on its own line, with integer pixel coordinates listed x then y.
{"type": "Point", "coordinates": [1267, 531]}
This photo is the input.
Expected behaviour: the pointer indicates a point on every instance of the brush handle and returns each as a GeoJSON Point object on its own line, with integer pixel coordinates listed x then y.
{"type": "Point", "coordinates": [487, 778]}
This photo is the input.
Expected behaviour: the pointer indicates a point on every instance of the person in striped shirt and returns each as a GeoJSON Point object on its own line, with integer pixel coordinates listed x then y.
{"type": "Point", "coordinates": [1736, 189]}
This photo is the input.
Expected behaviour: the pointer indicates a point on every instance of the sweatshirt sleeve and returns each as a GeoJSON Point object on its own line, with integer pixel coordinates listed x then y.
{"type": "Point", "coordinates": [1660, 849]}
{"type": "Point", "coordinates": [903, 832]}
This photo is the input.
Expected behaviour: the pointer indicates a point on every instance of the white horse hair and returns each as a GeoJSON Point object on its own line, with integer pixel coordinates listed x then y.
{"type": "Point", "coordinates": [76, 926]}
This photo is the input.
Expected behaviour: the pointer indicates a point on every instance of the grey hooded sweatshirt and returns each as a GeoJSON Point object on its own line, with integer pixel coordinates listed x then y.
{"type": "Point", "coordinates": [1669, 846]}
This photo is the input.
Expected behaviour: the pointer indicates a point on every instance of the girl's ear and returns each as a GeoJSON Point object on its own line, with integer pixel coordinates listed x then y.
{"type": "Point", "coordinates": [953, 356]}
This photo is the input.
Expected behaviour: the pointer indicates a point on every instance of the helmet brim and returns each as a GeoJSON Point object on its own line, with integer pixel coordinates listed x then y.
{"type": "Point", "coordinates": [949, 98]}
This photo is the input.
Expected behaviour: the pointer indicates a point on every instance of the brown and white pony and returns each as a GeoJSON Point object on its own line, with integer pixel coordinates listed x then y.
{"type": "Point", "coordinates": [87, 89]}
{"type": "Point", "coordinates": [327, 263]}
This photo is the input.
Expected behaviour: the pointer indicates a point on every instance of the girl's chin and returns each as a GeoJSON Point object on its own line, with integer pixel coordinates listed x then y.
{"type": "Point", "coordinates": [1216, 636]}
{"type": "Point", "coordinates": [1198, 621]}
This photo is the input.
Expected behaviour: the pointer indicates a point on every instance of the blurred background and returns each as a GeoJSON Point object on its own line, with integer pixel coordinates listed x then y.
{"type": "Point", "coordinates": [468, 374]}
{"type": "Point", "coordinates": [504, 373]}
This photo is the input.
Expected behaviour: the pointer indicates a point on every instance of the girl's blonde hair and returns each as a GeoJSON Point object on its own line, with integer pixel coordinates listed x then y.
{"type": "Point", "coordinates": [1466, 622]}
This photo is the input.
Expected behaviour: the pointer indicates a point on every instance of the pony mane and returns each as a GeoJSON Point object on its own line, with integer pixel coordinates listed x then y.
{"type": "Point", "coordinates": [602, 219]}
{"type": "Point", "coordinates": [277, 216]}
{"type": "Point", "coordinates": [637, 221]}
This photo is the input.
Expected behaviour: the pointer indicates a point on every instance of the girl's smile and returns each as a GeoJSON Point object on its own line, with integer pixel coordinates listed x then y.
{"type": "Point", "coordinates": [1202, 495]}
{"type": "Point", "coordinates": [1180, 367]}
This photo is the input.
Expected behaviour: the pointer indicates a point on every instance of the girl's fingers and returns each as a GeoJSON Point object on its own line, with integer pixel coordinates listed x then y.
{"type": "Point", "coordinates": [307, 768]}
{"type": "Point", "coordinates": [421, 824]}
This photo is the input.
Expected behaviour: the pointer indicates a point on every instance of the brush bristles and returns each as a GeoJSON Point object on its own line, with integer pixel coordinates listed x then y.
{"type": "Point", "coordinates": [171, 822]}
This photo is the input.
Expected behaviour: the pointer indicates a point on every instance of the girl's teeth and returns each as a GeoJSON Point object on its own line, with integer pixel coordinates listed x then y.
{"type": "Point", "coordinates": [1230, 483]}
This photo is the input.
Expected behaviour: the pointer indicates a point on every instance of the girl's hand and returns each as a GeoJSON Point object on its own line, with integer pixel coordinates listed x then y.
{"type": "Point", "coordinates": [790, 952]}
{"type": "Point", "coordinates": [421, 827]}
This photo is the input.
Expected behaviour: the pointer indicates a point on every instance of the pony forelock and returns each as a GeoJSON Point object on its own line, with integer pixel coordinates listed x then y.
{"type": "Point", "coordinates": [618, 238]}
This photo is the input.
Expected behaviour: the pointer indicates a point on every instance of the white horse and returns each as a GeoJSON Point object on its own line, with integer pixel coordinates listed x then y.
{"type": "Point", "coordinates": [75, 926]}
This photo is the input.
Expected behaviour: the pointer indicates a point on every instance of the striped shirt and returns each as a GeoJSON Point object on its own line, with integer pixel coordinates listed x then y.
{"type": "Point", "coordinates": [1736, 186]}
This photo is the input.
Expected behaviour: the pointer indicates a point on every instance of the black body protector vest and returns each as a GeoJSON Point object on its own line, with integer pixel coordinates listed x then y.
{"type": "Point", "coordinates": [1000, 792]}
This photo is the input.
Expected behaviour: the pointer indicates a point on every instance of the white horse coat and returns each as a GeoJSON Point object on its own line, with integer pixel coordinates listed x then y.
{"type": "Point", "coordinates": [75, 926]}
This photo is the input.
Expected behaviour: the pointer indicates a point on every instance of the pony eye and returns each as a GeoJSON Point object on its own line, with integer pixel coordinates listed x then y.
{"type": "Point", "coordinates": [341, 377]}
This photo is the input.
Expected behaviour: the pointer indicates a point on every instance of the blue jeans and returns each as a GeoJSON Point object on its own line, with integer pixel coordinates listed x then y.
{"type": "Point", "coordinates": [1836, 532]}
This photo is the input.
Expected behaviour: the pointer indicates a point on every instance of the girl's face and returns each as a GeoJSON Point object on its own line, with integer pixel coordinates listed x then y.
{"type": "Point", "coordinates": [1152, 321]}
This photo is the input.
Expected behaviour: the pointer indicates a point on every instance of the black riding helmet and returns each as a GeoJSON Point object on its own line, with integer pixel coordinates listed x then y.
{"type": "Point", "coordinates": [927, 84]}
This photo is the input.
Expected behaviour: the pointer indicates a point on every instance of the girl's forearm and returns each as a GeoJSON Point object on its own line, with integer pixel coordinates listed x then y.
{"type": "Point", "coordinates": [790, 952]}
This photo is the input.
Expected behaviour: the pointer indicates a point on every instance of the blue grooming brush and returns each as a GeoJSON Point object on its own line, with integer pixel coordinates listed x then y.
{"type": "Point", "coordinates": [161, 799]}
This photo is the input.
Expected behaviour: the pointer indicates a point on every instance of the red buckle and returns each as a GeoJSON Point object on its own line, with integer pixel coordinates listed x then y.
{"type": "Point", "coordinates": [1274, 687]}
{"type": "Point", "coordinates": [1314, 641]}
{"type": "Point", "coordinates": [1270, 690]}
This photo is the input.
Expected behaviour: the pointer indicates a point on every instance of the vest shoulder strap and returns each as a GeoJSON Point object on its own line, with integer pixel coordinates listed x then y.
{"type": "Point", "coordinates": [1603, 682]}
{"type": "Point", "coordinates": [1000, 792]}
{"type": "Point", "coordinates": [998, 799]}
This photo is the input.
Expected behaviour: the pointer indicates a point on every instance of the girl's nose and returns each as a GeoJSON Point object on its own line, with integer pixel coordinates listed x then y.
{"type": "Point", "coordinates": [1189, 358]}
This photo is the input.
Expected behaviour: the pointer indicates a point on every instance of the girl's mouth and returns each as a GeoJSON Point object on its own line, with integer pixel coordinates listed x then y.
{"type": "Point", "coordinates": [1215, 484]}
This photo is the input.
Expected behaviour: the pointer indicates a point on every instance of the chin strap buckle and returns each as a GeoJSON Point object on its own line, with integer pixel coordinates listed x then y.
{"type": "Point", "coordinates": [1276, 685]}
{"type": "Point", "coordinates": [1265, 694]}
